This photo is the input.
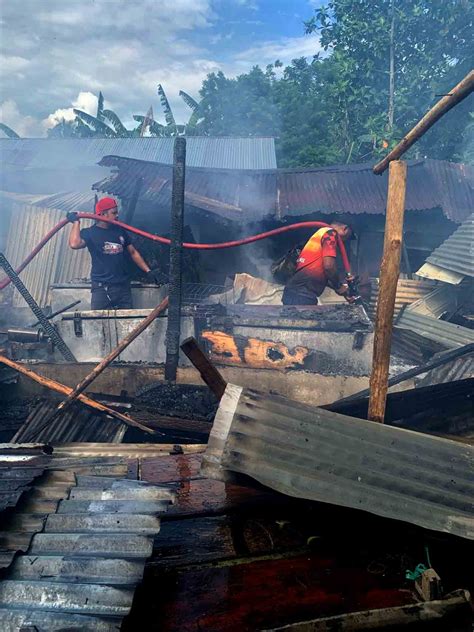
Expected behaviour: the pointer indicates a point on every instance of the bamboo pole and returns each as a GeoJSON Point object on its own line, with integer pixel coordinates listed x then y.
{"type": "Point", "coordinates": [463, 89]}
{"type": "Point", "coordinates": [389, 272]}
{"type": "Point", "coordinates": [123, 344]}
{"type": "Point", "coordinates": [66, 390]}
{"type": "Point", "coordinates": [208, 371]}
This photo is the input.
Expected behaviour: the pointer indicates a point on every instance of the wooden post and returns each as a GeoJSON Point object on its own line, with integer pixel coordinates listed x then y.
{"type": "Point", "coordinates": [66, 390]}
{"type": "Point", "coordinates": [455, 96]}
{"type": "Point", "coordinates": [123, 344]}
{"type": "Point", "coordinates": [208, 371]}
{"type": "Point", "coordinates": [389, 272]}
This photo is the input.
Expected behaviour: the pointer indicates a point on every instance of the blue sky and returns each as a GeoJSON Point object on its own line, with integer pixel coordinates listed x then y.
{"type": "Point", "coordinates": [57, 54]}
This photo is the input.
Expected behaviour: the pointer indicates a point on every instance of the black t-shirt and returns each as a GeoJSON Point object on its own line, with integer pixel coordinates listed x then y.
{"type": "Point", "coordinates": [107, 247]}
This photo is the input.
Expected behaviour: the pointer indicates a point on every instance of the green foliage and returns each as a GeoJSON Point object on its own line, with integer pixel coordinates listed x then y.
{"type": "Point", "coordinates": [169, 118]}
{"type": "Point", "coordinates": [431, 49]}
{"type": "Point", "coordinates": [335, 108]}
{"type": "Point", "coordinates": [155, 128]}
{"type": "Point", "coordinates": [119, 128]}
{"type": "Point", "coordinates": [99, 127]}
{"type": "Point", "coordinates": [100, 107]}
{"type": "Point", "coordinates": [8, 131]}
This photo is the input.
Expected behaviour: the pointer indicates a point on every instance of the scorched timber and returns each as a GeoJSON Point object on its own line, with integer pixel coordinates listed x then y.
{"type": "Point", "coordinates": [323, 456]}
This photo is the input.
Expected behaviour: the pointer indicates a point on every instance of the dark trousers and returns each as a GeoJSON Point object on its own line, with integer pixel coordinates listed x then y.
{"type": "Point", "coordinates": [111, 296]}
{"type": "Point", "coordinates": [290, 297]}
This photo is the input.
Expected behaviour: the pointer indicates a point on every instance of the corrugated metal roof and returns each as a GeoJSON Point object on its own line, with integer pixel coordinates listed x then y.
{"type": "Point", "coordinates": [323, 456]}
{"type": "Point", "coordinates": [446, 334]}
{"type": "Point", "coordinates": [456, 254]}
{"type": "Point", "coordinates": [408, 291]}
{"type": "Point", "coordinates": [458, 369]}
{"type": "Point", "coordinates": [201, 151]}
{"type": "Point", "coordinates": [20, 469]}
{"type": "Point", "coordinates": [351, 189]}
{"type": "Point", "coordinates": [354, 189]}
{"type": "Point", "coordinates": [81, 568]}
{"type": "Point", "coordinates": [76, 424]}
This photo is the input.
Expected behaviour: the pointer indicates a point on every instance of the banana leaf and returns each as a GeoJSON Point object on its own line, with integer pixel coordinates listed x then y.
{"type": "Point", "coordinates": [100, 106]}
{"type": "Point", "coordinates": [166, 107]}
{"type": "Point", "coordinates": [116, 123]}
{"type": "Point", "coordinates": [155, 128]}
{"type": "Point", "coordinates": [8, 131]}
{"type": "Point", "coordinates": [94, 123]}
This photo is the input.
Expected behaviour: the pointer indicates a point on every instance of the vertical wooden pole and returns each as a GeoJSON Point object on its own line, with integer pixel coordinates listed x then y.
{"type": "Point", "coordinates": [176, 260]}
{"type": "Point", "coordinates": [389, 272]}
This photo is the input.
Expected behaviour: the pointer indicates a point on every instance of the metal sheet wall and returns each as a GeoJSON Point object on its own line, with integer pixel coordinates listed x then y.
{"type": "Point", "coordinates": [56, 263]}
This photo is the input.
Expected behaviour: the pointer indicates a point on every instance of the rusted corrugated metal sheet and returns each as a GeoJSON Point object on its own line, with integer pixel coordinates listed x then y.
{"type": "Point", "coordinates": [456, 254]}
{"type": "Point", "coordinates": [354, 189]}
{"type": "Point", "coordinates": [283, 193]}
{"type": "Point", "coordinates": [458, 369]}
{"type": "Point", "coordinates": [446, 334]}
{"type": "Point", "coordinates": [238, 195]}
{"type": "Point", "coordinates": [327, 457]}
{"type": "Point", "coordinates": [229, 153]}
{"type": "Point", "coordinates": [77, 424]}
{"type": "Point", "coordinates": [82, 567]}
{"type": "Point", "coordinates": [408, 291]}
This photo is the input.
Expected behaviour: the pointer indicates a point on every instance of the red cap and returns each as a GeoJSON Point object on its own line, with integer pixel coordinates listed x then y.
{"type": "Point", "coordinates": [105, 204]}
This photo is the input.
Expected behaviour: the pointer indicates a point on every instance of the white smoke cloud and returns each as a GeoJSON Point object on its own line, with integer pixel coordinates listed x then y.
{"type": "Point", "coordinates": [85, 101]}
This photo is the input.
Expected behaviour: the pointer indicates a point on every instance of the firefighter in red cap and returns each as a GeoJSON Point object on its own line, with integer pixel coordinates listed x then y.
{"type": "Point", "coordinates": [108, 245]}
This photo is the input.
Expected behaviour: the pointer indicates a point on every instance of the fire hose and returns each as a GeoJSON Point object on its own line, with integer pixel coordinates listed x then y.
{"type": "Point", "coordinates": [218, 246]}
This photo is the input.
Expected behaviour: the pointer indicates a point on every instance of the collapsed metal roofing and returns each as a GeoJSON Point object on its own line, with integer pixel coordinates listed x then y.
{"type": "Point", "coordinates": [77, 424]}
{"type": "Point", "coordinates": [86, 538]}
{"type": "Point", "coordinates": [201, 151]}
{"type": "Point", "coordinates": [455, 255]}
{"type": "Point", "coordinates": [327, 457]}
{"type": "Point", "coordinates": [446, 334]}
{"type": "Point", "coordinates": [342, 189]}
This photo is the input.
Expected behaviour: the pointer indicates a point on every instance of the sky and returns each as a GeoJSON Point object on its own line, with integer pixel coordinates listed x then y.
{"type": "Point", "coordinates": [57, 54]}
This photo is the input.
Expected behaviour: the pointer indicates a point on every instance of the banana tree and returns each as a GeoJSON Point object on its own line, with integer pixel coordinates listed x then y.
{"type": "Point", "coordinates": [8, 131]}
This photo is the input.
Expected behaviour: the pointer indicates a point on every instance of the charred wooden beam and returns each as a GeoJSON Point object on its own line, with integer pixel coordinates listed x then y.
{"type": "Point", "coordinates": [208, 371]}
{"type": "Point", "coordinates": [176, 260]}
{"type": "Point", "coordinates": [123, 344]}
{"type": "Point", "coordinates": [65, 390]}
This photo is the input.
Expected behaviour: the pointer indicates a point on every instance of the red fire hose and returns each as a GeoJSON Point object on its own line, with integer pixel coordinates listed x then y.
{"type": "Point", "coordinates": [163, 240]}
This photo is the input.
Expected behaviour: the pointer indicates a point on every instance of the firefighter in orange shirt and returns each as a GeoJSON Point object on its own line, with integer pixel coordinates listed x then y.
{"type": "Point", "coordinates": [316, 267]}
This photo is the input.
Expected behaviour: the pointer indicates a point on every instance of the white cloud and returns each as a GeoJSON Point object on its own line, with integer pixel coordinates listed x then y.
{"type": "Point", "coordinates": [85, 101]}
{"type": "Point", "coordinates": [56, 51]}
{"type": "Point", "coordinates": [285, 50]}
{"type": "Point", "coordinates": [21, 124]}
{"type": "Point", "coordinates": [11, 64]}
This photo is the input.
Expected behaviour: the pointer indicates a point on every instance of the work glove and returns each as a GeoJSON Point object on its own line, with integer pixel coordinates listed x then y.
{"type": "Point", "coordinates": [157, 277]}
{"type": "Point", "coordinates": [343, 290]}
{"type": "Point", "coordinates": [72, 217]}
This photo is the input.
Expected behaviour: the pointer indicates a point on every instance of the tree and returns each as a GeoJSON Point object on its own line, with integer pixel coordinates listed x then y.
{"type": "Point", "coordinates": [390, 58]}
{"type": "Point", "coordinates": [243, 106]}
{"type": "Point", "coordinates": [8, 131]}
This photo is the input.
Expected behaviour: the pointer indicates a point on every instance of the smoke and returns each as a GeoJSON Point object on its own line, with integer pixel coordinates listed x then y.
{"type": "Point", "coordinates": [85, 101]}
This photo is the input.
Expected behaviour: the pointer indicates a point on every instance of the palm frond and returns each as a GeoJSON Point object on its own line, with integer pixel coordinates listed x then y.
{"type": "Point", "coordinates": [116, 123]}
{"type": "Point", "coordinates": [95, 124]}
{"type": "Point", "coordinates": [8, 131]}
{"type": "Point", "coordinates": [169, 118]}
